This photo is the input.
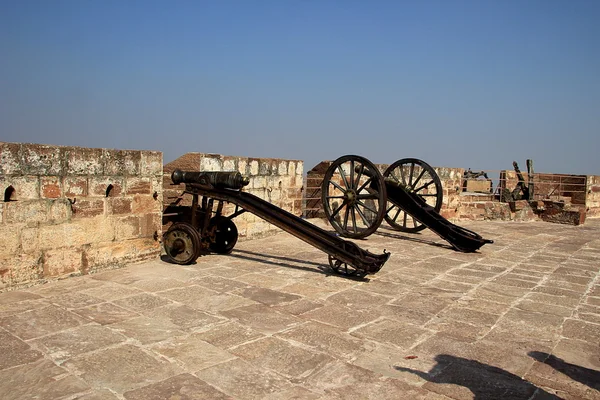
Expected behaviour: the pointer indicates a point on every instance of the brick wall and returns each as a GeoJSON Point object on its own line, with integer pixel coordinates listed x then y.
{"type": "Point", "coordinates": [275, 180]}
{"type": "Point", "coordinates": [72, 210]}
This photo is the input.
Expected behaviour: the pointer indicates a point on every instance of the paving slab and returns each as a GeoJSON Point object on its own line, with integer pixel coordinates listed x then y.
{"type": "Point", "coordinates": [518, 319]}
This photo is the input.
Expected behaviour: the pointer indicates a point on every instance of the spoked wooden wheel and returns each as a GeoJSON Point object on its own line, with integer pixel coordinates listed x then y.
{"type": "Point", "coordinates": [418, 177]}
{"type": "Point", "coordinates": [353, 196]}
{"type": "Point", "coordinates": [182, 243]}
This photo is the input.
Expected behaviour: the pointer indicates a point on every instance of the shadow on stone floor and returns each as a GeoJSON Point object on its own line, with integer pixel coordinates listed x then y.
{"type": "Point", "coordinates": [264, 258]}
{"type": "Point", "coordinates": [486, 382]}
{"type": "Point", "coordinates": [383, 233]}
{"type": "Point", "coordinates": [586, 376]}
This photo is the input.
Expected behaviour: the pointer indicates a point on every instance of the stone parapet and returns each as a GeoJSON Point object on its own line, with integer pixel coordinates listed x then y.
{"type": "Point", "coordinates": [72, 210]}
{"type": "Point", "coordinates": [277, 181]}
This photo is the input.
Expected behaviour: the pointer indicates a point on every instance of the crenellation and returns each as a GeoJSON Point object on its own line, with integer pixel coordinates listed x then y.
{"type": "Point", "coordinates": [84, 161]}
{"type": "Point", "coordinates": [10, 159]}
{"type": "Point", "coordinates": [42, 159]}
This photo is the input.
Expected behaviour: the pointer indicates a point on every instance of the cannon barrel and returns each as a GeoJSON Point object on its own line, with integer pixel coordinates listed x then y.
{"type": "Point", "coordinates": [218, 179]}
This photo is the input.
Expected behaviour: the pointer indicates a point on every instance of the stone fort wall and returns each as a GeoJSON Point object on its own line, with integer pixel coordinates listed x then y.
{"type": "Point", "coordinates": [71, 210]}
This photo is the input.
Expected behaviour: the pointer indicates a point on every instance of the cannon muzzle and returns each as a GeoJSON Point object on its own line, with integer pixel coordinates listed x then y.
{"type": "Point", "coordinates": [217, 179]}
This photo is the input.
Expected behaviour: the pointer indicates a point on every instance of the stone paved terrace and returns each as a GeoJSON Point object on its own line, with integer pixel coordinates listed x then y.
{"type": "Point", "coordinates": [519, 320]}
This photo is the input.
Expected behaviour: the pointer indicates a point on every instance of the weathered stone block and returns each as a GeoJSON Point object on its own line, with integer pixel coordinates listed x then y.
{"type": "Point", "coordinates": [59, 211]}
{"type": "Point", "coordinates": [84, 161]}
{"type": "Point", "coordinates": [138, 186]}
{"type": "Point", "coordinates": [120, 205]}
{"type": "Point", "coordinates": [291, 168]}
{"type": "Point", "coordinates": [127, 228]}
{"type": "Point", "coordinates": [150, 224]}
{"type": "Point", "coordinates": [106, 186]}
{"type": "Point", "coordinates": [152, 163]}
{"type": "Point", "coordinates": [121, 162]}
{"type": "Point", "coordinates": [29, 211]}
{"type": "Point", "coordinates": [478, 185]}
{"type": "Point", "coordinates": [10, 158]}
{"type": "Point", "coordinates": [23, 268]}
{"type": "Point", "coordinates": [75, 187]}
{"type": "Point", "coordinates": [90, 230]}
{"type": "Point", "coordinates": [143, 204]}
{"type": "Point", "coordinates": [211, 162]}
{"type": "Point", "coordinates": [25, 187]}
{"type": "Point", "coordinates": [52, 237]}
{"type": "Point", "coordinates": [258, 182]}
{"type": "Point", "coordinates": [62, 261]}
{"type": "Point", "coordinates": [253, 167]}
{"type": "Point", "coordinates": [42, 160]}
{"type": "Point", "coordinates": [282, 167]}
{"type": "Point", "coordinates": [50, 187]}
{"type": "Point", "coordinates": [242, 166]}
{"type": "Point", "coordinates": [9, 239]}
{"type": "Point", "coordinates": [88, 208]}
{"type": "Point", "coordinates": [29, 240]}
{"type": "Point", "coordinates": [229, 163]}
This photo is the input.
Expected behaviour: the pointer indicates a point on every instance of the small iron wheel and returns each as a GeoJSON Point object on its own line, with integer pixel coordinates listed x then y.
{"type": "Point", "coordinates": [353, 196]}
{"type": "Point", "coordinates": [344, 268]}
{"type": "Point", "coordinates": [418, 177]}
{"type": "Point", "coordinates": [182, 243]}
{"type": "Point", "coordinates": [224, 235]}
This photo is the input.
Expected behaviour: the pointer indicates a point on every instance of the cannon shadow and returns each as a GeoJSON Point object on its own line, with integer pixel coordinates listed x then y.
{"type": "Point", "coordinates": [285, 262]}
{"type": "Point", "coordinates": [379, 232]}
{"type": "Point", "coordinates": [486, 382]}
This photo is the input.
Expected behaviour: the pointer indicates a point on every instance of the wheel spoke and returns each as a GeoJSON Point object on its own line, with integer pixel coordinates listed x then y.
{"type": "Point", "coordinates": [365, 206]}
{"type": "Point", "coordinates": [364, 185]}
{"type": "Point", "coordinates": [418, 178]}
{"type": "Point", "coordinates": [428, 195]}
{"type": "Point", "coordinates": [363, 216]}
{"type": "Point", "coordinates": [335, 197]}
{"type": "Point", "coordinates": [338, 186]}
{"type": "Point", "coordinates": [346, 218]}
{"type": "Point", "coordinates": [333, 214]}
{"type": "Point", "coordinates": [397, 212]}
{"type": "Point", "coordinates": [351, 174]}
{"type": "Point", "coordinates": [401, 167]}
{"type": "Point", "coordinates": [359, 174]}
{"type": "Point", "coordinates": [343, 174]}
{"type": "Point", "coordinates": [354, 221]}
{"type": "Point", "coordinates": [404, 219]}
{"type": "Point", "coordinates": [424, 186]}
{"type": "Point", "coordinates": [412, 170]}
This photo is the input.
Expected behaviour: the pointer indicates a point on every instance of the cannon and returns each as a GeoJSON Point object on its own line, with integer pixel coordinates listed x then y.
{"type": "Point", "coordinates": [357, 197]}
{"type": "Point", "coordinates": [203, 228]}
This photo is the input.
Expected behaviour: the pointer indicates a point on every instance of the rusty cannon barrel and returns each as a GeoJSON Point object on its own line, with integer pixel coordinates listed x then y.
{"type": "Point", "coordinates": [217, 179]}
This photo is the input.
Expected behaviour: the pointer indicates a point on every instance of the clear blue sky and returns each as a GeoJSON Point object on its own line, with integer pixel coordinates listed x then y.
{"type": "Point", "coordinates": [455, 82]}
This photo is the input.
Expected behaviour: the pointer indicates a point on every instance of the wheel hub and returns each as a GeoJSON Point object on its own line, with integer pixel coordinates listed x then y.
{"type": "Point", "coordinates": [350, 197]}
